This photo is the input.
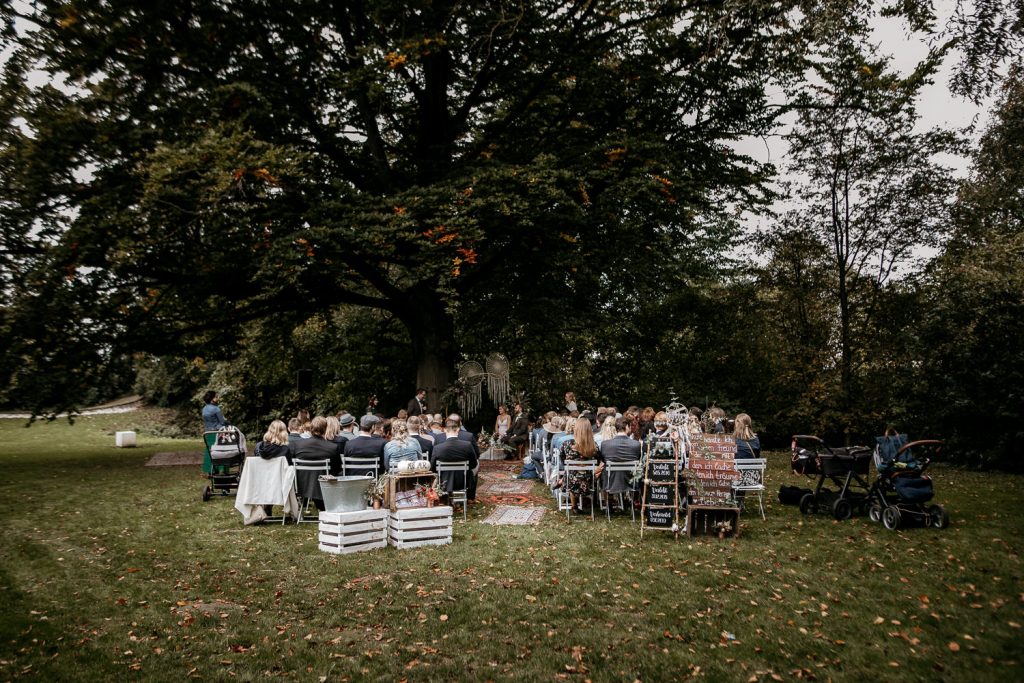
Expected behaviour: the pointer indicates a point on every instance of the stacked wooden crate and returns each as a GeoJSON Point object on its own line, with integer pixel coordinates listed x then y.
{"type": "Point", "coordinates": [416, 527]}
{"type": "Point", "coordinates": [352, 532]}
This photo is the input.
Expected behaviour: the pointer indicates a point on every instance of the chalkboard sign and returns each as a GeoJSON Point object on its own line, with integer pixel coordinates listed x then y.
{"type": "Point", "coordinates": [661, 518]}
{"type": "Point", "coordinates": [662, 470]}
{"type": "Point", "coordinates": [711, 469]}
{"type": "Point", "coordinates": [661, 494]}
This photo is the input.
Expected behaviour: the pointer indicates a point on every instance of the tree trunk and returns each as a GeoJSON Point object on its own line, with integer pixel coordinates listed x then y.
{"type": "Point", "coordinates": [432, 333]}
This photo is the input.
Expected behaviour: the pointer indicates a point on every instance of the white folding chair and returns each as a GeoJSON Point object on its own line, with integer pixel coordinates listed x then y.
{"type": "Point", "coordinates": [582, 467]}
{"type": "Point", "coordinates": [352, 466]}
{"type": "Point", "coordinates": [457, 495]}
{"type": "Point", "coordinates": [627, 467]}
{"type": "Point", "coordinates": [315, 467]}
{"type": "Point", "coordinates": [751, 479]}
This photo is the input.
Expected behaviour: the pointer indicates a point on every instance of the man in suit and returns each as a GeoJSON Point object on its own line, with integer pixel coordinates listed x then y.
{"type": "Point", "coordinates": [456, 449]}
{"type": "Point", "coordinates": [520, 430]}
{"type": "Point", "coordinates": [415, 425]}
{"type": "Point", "coordinates": [418, 404]}
{"type": "Point", "coordinates": [619, 449]}
{"type": "Point", "coordinates": [463, 434]}
{"type": "Point", "coordinates": [316, 447]}
{"type": "Point", "coordinates": [366, 444]}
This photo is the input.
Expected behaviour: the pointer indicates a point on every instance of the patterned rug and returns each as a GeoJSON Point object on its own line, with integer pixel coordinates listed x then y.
{"type": "Point", "coordinates": [498, 486]}
{"type": "Point", "coordinates": [515, 515]}
{"type": "Point", "coordinates": [175, 459]}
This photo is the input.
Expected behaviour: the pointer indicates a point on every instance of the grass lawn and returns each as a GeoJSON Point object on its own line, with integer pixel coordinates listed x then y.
{"type": "Point", "coordinates": [110, 570]}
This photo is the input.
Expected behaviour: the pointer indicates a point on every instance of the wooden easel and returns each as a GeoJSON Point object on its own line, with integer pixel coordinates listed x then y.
{"type": "Point", "coordinates": [659, 509]}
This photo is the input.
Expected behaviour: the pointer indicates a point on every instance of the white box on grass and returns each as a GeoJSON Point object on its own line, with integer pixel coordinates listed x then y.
{"type": "Point", "coordinates": [413, 528]}
{"type": "Point", "coordinates": [125, 439]}
{"type": "Point", "coordinates": [352, 532]}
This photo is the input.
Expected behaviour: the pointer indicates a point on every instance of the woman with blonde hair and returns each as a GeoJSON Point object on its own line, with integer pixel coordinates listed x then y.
{"type": "Point", "coordinates": [607, 429]}
{"type": "Point", "coordinates": [401, 446]}
{"type": "Point", "coordinates": [333, 430]}
{"type": "Point", "coordinates": [747, 444]}
{"type": "Point", "coordinates": [580, 446]}
{"type": "Point", "coordinates": [275, 443]}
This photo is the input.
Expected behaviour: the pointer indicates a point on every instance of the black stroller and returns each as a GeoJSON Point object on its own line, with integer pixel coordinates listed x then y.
{"type": "Point", "coordinates": [902, 490]}
{"type": "Point", "coordinates": [846, 468]}
{"type": "Point", "coordinates": [227, 457]}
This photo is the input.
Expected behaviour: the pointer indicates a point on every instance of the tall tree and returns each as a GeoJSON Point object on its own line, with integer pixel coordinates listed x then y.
{"type": "Point", "coordinates": [870, 186]}
{"type": "Point", "coordinates": [172, 170]}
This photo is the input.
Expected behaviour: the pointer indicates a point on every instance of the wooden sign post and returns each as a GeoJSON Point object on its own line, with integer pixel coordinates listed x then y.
{"type": "Point", "coordinates": [660, 502]}
{"type": "Point", "coordinates": [711, 471]}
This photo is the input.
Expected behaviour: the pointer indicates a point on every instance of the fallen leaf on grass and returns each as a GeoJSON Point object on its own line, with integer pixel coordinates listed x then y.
{"type": "Point", "coordinates": [954, 646]}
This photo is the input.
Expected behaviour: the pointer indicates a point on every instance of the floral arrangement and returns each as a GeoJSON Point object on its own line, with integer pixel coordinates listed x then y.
{"type": "Point", "coordinates": [375, 489]}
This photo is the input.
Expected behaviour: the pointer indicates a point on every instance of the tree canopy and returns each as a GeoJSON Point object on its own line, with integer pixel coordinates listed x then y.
{"type": "Point", "coordinates": [182, 168]}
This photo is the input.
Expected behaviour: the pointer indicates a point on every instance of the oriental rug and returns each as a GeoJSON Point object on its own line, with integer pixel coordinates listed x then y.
{"type": "Point", "coordinates": [515, 515]}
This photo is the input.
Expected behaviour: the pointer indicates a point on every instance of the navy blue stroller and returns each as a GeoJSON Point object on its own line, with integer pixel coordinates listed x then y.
{"type": "Point", "coordinates": [902, 491]}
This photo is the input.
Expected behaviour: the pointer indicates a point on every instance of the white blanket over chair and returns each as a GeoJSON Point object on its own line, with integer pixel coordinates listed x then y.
{"type": "Point", "coordinates": [266, 482]}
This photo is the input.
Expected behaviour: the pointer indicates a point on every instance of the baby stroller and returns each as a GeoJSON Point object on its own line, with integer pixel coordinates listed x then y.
{"type": "Point", "coordinates": [227, 457]}
{"type": "Point", "coordinates": [902, 490]}
{"type": "Point", "coordinates": [846, 468]}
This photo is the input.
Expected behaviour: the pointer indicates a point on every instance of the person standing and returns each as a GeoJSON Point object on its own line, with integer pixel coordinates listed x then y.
{"type": "Point", "coordinates": [418, 404]}
{"type": "Point", "coordinates": [520, 434]}
{"type": "Point", "coordinates": [213, 418]}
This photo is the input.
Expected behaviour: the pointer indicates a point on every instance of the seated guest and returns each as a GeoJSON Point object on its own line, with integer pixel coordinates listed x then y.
{"type": "Point", "coordinates": [416, 431]}
{"type": "Point", "coordinates": [455, 449]}
{"type": "Point", "coordinates": [402, 446]}
{"type": "Point", "coordinates": [714, 420]}
{"type": "Point", "coordinates": [463, 434]}
{"type": "Point", "coordinates": [316, 447]}
{"type": "Point", "coordinates": [333, 431]}
{"type": "Point", "coordinates": [274, 443]}
{"type": "Point", "coordinates": [294, 431]}
{"type": "Point", "coordinates": [747, 443]}
{"type": "Point", "coordinates": [519, 437]}
{"type": "Point", "coordinates": [366, 444]}
{"type": "Point", "coordinates": [347, 422]}
{"type": "Point", "coordinates": [607, 430]}
{"type": "Point", "coordinates": [580, 446]}
{"type": "Point", "coordinates": [621, 448]}
{"type": "Point", "coordinates": [646, 422]}
{"type": "Point", "coordinates": [694, 420]}
{"type": "Point", "coordinates": [437, 429]}
{"type": "Point", "coordinates": [567, 427]}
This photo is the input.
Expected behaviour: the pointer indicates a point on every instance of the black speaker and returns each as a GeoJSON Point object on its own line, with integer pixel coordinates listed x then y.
{"type": "Point", "coordinates": [304, 380]}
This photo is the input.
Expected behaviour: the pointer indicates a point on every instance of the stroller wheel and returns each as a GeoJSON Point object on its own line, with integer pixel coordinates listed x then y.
{"type": "Point", "coordinates": [206, 493]}
{"type": "Point", "coordinates": [891, 518]}
{"type": "Point", "coordinates": [938, 517]}
{"type": "Point", "coordinates": [875, 512]}
{"type": "Point", "coordinates": [808, 506]}
{"type": "Point", "coordinates": [842, 509]}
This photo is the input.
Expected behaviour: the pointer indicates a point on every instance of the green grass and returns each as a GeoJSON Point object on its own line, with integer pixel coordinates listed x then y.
{"type": "Point", "coordinates": [110, 570]}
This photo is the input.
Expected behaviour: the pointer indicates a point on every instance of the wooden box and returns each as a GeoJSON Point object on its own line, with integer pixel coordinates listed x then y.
{"type": "Point", "coordinates": [704, 520]}
{"type": "Point", "coordinates": [401, 488]}
{"type": "Point", "coordinates": [417, 527]}
{"type": "Point", "coordinates": [352, 532]}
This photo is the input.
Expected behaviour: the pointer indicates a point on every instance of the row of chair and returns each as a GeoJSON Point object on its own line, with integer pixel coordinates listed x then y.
{"type": "Point", "coordinates": [750, 481]}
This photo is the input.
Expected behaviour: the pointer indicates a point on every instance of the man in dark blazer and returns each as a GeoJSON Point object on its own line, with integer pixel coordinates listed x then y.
{"type": "Point", "coordinates": [316, 447]}
{"type": "Point", "coordinates": [366, 445]}
{"type": "Point", "coordinates": [520, 432]}
{"type": "Point", "coordinates": [456, 449]}
{"type": "Point", "coordinates": [464, 434]}
{"type": "Point", "coordinates": [418, 403]}
{"type": "Point", "coordinates": [621, 448]}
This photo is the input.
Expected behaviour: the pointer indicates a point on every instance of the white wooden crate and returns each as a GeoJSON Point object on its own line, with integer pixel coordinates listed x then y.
{"type": "Point", "coordinates": [352, 532]}
{"type": "Point", "coordinates": [417, 527]}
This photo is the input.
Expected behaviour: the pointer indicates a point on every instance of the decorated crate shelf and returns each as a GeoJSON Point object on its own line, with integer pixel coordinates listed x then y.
{"type": "Point", "coordinates": [704, 520]}
{"type": "Point", "coordinates": [421, 526]}
{"type": "Point", "coordinates": [352, 532]}
{"type": "Point", "coordinates": [401, 491]}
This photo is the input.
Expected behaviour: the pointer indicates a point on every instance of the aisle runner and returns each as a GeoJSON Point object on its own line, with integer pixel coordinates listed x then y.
{"type": "Point", "coordinates": [517, 501]}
